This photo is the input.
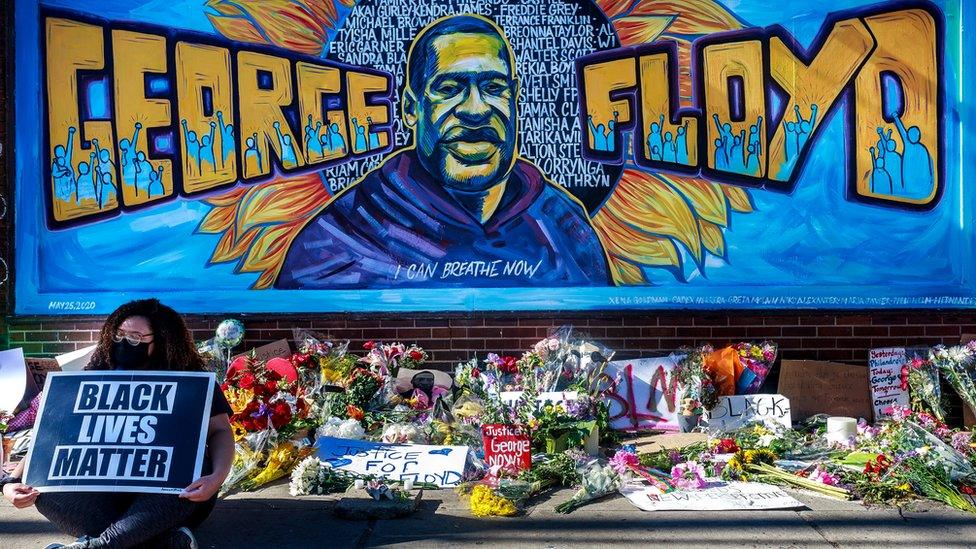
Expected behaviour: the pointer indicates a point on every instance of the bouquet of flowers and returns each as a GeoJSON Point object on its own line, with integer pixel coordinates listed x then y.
{"type": "Point", "coordinates": [757, 360]}
{"type": "Point", "coordinates": [597, 481]}
{"type": "Point", "coordinates": [921, 378]}
{"type": "Point", "coordinates": [695, 387]}
{"type": "Point", "coordinates": [313, 476]}
{"type": "Point", "coordinates": [958, 365]}
{"type": "Point", "coordinates": [4, 420]}
{"type": "Point", "coordinates": [387, 359]}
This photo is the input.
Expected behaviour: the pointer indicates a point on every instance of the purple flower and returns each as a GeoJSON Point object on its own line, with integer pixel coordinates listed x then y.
{"type": "Point", "coordinates": [688, 475]}
{"type": "Point", "coordinates": [676, 457]}
{"type": "Point", "coordinates": [961, 442]}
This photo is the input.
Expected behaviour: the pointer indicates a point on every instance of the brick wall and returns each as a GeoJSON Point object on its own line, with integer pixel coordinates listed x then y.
{"type": "Point", "coordinates": [450, 338]}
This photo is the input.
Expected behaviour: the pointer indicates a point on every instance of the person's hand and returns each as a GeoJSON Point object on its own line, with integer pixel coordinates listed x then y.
{"type": "Point", "coordinates": [202, 488]}
{"type": "Point", "coordinates": [20, 495]}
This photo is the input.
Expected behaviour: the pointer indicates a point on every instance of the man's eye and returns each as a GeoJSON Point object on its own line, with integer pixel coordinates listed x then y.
{"type": "Point", "coordinates": [448, 88]}
{"type": "Point", "coordinates": [495, 88]}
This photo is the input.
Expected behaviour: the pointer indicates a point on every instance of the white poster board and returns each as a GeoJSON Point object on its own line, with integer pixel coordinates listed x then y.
{"type": "Point", "coordinates": [558, 397]}
{"type": "Point", "coordinates": [75, 360]}
{"type": "Point", "coordinates": [440, 465]}
{"type": "Point", "coordinates": [641, 394]}
{"type": "Point", "coordinates": [733, 412]}
{"type": "Point", "coordinates": [884, 374]}
{"type": "Point", "coordinates": [717, 496]}
{"type": "Point", "coordinates": [13, 379]}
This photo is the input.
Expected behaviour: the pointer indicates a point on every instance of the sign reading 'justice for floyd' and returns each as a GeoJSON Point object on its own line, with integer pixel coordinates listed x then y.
{"type": "Point", "coordinates": [120, 431]}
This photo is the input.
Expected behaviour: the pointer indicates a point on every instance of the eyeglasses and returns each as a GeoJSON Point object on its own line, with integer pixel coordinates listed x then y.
{"type": "Point", "coordinates": [134, 338]}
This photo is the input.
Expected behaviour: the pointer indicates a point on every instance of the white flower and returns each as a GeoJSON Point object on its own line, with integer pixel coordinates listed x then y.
{"type": "Point", "coordinates": [923, 450]}
{"type": "Point", "coordinates": [765, 440]}
{"type": "Point", "coordinates": [401, 433]}
{"type": "Point", "coordinates": [303, 476]}
{"type": "Point", "coordinates": [338, 428]}
{"type": "Point", "coordinates": [959, 354]}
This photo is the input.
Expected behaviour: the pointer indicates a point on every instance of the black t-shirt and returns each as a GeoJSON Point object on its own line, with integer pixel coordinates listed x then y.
{"type": "Point", "coordinates": [219, 404]}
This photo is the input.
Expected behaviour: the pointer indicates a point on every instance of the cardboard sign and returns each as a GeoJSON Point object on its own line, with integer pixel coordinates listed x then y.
{"type": "Point", "coordinates": [507, 446]}
{"type": "Point", "coordinates": [717, 496]}
{"type": "Point", "coordinates": [120, 431]}
{"type": "Point", "coordinates": [884, 369]}
{"type": "Point", "coordinates": [275, 349]}
{"type": "Point", "coordinates": [818, 387]}
{"type": "Point", "coordinates": [642, 394]}
{"type": "Point", "coordinates": [733, 412]}
{"type": "Point", "coordinates": [440, 465]}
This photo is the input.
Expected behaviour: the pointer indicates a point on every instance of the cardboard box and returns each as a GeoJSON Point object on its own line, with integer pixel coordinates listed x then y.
{"type": "Point", "coordinates": [821, 387]}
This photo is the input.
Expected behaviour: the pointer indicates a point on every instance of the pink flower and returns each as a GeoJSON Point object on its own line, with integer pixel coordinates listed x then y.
{"type": "Point", "coordinates": [688, 476]}
{"type": "Point", "coordinates": [623, 461]}
{"type": "Point", "coordinates": [961, 442]}
{"type": "Point", "coordinates": [823, 477]}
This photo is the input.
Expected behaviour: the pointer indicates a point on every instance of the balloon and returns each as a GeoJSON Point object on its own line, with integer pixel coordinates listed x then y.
{"type": "Point", "coordinates": [230, 333]}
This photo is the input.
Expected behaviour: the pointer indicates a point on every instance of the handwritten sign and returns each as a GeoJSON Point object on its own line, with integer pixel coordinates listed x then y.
{"type": "Point", "coordinates": [819, 387]}
{"type": "Point", "coordinates": [510, 398]}
{"type": "Point", "coordinates": [120, 431]}
{"type": "Point", "coordinates": [717, 496]}
{"type": "Point", "coordinates": [275, 349]}
{"type": "Point", "coordinates": [440, 465]}
{"type": "Point", "coordinates": [732, 412]}
{"type": "Point", "coordinates": [642, 394]}
{"type": "Point", "coordinates": [507, 446]}
{"type": "Point", "coordinates": [884, 369]}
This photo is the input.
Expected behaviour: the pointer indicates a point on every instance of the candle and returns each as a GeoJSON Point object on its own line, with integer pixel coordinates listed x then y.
{"type": "Point", "coordinates": [841, 429]}
{"type": "Point", "coordinates": [408, 484]}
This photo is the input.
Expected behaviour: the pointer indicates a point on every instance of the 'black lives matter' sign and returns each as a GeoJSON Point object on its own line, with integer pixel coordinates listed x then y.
{"type": "Point", "coordinates": [120, 431]}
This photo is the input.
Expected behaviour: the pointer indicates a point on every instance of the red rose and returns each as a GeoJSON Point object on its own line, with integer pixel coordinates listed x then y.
{"type": "Point", "coordinates": [968, 490]}
{"type": "Point", "coordinates": [280, 414]}
{"type": "Point", "coordinates": [904, 378]}
{"type": "Point", "coordinates": [416, 355]}
{"type": "Point", "coordinates": [475, 372]}
{"type": "Point", "coordinates": [247, 380]}
{"type": "Point", "coordinates": [271, 387]}
{"type": "Point", "coordinates": [369, 345]}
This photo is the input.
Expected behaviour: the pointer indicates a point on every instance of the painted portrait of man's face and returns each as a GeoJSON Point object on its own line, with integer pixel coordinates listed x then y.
{"type": "Point", "coordinates": [464, 116]}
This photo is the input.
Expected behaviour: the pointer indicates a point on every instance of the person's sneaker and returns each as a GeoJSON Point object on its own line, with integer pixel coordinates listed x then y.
{"type": "Point", "coordinates": [183, 537]}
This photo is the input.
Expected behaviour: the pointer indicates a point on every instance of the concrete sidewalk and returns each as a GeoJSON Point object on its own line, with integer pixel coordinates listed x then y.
{"type": "Point", "coordinates": [272, 518]}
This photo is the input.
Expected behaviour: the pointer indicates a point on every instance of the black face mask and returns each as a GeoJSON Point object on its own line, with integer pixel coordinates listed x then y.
{"type": "Point", "coordinates": [130, 357]}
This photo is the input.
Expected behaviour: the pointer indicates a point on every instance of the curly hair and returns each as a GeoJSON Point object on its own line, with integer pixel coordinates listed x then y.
{"type": "Point", "coordinates": [174, 348]}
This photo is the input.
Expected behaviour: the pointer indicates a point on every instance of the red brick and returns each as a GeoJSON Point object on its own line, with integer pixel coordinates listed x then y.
{"type": "Point", "coordinates": [834, 331]}
{"type": "Point", "coordinates": [485, 332]}
{"type": "Point", "coordinates": [605, 321]}
{"type": "Point", "coordinates": [409, 335]}
{"type": "Point", "coordinates": [889, 319]}
{"type": "Point", "coordinates": [431, 322]}
{"type": "Point", "coordinates": [445, 333]}
{"type": "Point", "coordinates": [467, 321]}
{"type": "Point", "coordinates": [799, 331]}
{"type": "Point", "coordinates": [764, 331]}
{"type": "Point", "coordinates": [819, 343]}
{"type": "Point", "coordinates": [953, 331]}
{"type": "Point", "coordinates": [711, 321]}
{"type": "Point", "coordinates": [854, 320]}
{"type": "Point", "coordinates": [906, 330]}
{"type": "Point", "coordinates": [821, 320]}
{"type": "Point", "coordinates": [874, 331]}
{"type": "Point", "coordinates": [658, 331]}
{"type": "Point", "coordinates": [402, 322]}
{"type": "Point", "coordinates": [745, 320]}
{"type": "Point", "coordinates": [781, 320]}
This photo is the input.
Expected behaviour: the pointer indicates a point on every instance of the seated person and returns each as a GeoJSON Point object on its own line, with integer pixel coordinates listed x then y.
{"type": "Point", "coordinates": [140, 335]}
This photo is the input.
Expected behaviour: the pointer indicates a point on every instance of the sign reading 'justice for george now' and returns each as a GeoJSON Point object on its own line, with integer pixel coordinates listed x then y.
{"type": "Point", "coordinates": [120, 431]}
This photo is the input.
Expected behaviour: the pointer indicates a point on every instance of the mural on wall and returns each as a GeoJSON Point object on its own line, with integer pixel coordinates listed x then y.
{"type": "Point", "coordinates": [335, 155]}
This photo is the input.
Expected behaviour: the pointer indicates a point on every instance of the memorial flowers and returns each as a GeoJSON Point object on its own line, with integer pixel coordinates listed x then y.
{"type": "Point", "coordinates": [958, 365]}
{"type": "Point", "coordinates": [597, 481]}
{"type": "Point", "coordinates": [921, 378]}
{"type": "Point", "coordinates": [688, 476]}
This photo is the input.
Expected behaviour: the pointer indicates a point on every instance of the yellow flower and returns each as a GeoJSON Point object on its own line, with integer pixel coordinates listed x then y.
{"type": "Point", "coordinates": [905, 487]}
{"type": "Point", "coordinates": [331, 376]}
{"type": "Point", "coordinates": [238, 398]}
{"type": "Point", "coordinates": [239, 432]}
{"type": "Point", "coordinates": [485, 503]}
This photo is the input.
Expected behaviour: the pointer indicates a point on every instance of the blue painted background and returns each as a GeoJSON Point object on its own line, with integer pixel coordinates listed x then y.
{"type": "Point", "coordinates": [810, 249]}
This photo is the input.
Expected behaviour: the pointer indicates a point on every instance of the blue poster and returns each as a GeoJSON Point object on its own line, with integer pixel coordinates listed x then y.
{"type": "Point", "coordinates": [459, 155]}
{"type": "Point", "coordinates": [120, 432]}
